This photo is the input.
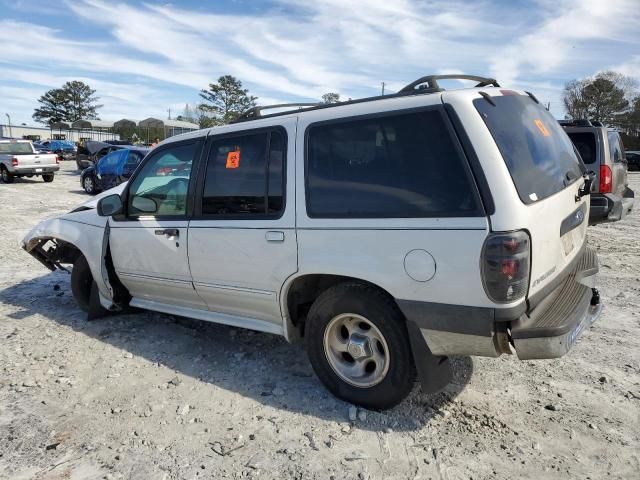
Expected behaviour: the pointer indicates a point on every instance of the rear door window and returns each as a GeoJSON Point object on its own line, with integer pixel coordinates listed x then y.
{"type": "Point", "coordinates": [396, 165]}
{"type": "Point", "coordinates": [245, 176]}
{"type": "Point", "coordinates": [538, 153]}
{"type": "Point", "coordinates": [585, 143]}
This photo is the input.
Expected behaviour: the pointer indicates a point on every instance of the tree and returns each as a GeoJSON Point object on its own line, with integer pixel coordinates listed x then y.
{"type": "Point", "coordinates": [331, 97]}
{"type": "Point", "coordinates": [605, 98]}
{"type": "Point", "coordinates": [73, 101]}
{"type": "Point", "coordinates": [606, 102]}
{"type": "Point", "coordinates": [628, 85]}
{"type": "Point", "coordinates": [574, 99]}
{"type": "Point", "coordinates": [188, 114]}
{"type": "Point", "coordinates": [226, 100]}
{"type": "Point", "coordinates": [633, 118]}
{"type": "Point", "coordinates": [197, 114]}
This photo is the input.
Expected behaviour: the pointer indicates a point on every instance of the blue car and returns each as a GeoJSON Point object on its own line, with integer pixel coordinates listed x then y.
{"type": "Point", "coordinates": [112, 169]}
{"type": "Point", "coordinates": [63, 148]}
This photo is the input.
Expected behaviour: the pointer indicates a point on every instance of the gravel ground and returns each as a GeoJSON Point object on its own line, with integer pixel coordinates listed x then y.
{"type": "Point", "coordinates": [148, 396]}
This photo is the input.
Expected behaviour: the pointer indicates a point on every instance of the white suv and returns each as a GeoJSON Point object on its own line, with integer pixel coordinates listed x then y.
{"type": "Point", "coordinates": [386, 233]}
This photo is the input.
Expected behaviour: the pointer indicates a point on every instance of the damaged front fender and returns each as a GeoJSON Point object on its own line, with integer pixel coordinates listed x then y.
{"type": "Point", "coordinates": [58, 241]}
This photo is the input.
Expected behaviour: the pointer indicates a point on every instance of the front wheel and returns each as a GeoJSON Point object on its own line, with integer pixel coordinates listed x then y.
{"type": "Point", "coordinates": [358, 345]}
{"type": "Point", "coordinates": [47, 177]}
{"type": "Point", "coordinates": [81, 282]}
{"type": "Point", "coordinates": [89, 185]}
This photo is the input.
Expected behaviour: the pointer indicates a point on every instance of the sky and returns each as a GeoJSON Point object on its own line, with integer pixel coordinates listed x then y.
{"type": "Point", "coordinates": [146, 58]}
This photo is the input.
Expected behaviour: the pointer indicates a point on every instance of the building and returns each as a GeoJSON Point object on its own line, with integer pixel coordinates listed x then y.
{"type": "Point", "coordinates": [144, 130]}
{"type": "Point", "coordinates": [60, 131]}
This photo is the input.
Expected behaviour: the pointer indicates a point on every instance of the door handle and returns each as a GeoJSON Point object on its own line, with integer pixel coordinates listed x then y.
{"type": "Point", "coordinates": [169, 232]}
{"type": "Point", "coordinates": [274, 236]}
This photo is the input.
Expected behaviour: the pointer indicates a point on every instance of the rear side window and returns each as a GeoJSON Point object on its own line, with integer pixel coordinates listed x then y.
{"type": "Point", "coordinates": [616, 150]}
{"type": "Point", "coordinates": [585, 143]}
{"type": "Point", "coordinates": [538, 153]}
{"type": "Point", "coordinates": [398, 165]}
{"type": "Point", "coordinates": [245, 176]}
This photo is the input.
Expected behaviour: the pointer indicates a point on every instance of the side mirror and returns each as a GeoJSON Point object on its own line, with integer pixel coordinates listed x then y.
{"type": "Point", "coordinates": [110, 205]}
{"type": "Point", "coordinates": [144, 204]}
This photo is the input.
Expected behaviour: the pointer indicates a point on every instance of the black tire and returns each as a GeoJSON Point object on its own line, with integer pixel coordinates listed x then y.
{"type": "Point", "coordinates": [5, 175]}
{"type": "Point", "coordinates": [89, 185]}
{"type": "Point", "coordinates": [81, 283]}
{"type": "Point", "coordinates": [47, 177]}
{"type": "Point", "coordinates": [382, 312]}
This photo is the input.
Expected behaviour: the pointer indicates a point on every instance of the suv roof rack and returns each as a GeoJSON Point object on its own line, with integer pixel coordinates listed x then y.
{"type": "Point", "coordinates": [580, 122]}
{"type": "Point", "coordinates": [431, 82]}
{"type": "Point", "coordinates": [256, 112]}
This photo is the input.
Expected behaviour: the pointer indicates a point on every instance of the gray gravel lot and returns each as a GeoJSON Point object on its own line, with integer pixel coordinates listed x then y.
{"type": "Point", "coordinates": [148, 396]}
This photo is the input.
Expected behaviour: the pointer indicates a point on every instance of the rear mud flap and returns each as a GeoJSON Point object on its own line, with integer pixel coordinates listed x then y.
{"type": "Point", "coordinates": [434, 372]}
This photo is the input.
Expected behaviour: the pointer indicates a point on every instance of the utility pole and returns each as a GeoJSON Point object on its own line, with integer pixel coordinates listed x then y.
{"type": "Point", "coordinates": [382, 88]}
{"type": "Point", "coordinates": [169, 110]}
{"type": "Point", "coordinates": [9, 119]}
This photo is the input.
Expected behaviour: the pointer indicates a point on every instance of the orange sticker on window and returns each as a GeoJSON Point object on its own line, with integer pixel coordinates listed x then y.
{"type": "Point", "coordinates": [233, 159]}
{"type": "Point", "coordinates": [542, 128]}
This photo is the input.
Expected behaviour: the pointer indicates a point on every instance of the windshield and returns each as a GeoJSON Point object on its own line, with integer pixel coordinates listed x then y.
{"type": "Point", "coordinates": [540, 157]}
{"type": "Point", "coordinates": [16, 148]}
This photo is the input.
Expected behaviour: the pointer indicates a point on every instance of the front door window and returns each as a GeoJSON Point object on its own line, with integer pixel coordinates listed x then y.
{"type": "Point", "coordinates": [160, 189]}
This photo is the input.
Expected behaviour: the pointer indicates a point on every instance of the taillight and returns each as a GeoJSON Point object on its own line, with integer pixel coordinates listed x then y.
{"type": "Point", "coordinates": [58, 159]}
{"type": "Point", "coordinates": [606, 179]}
{"type": "Point", "coordinates": [505, 265]}
{"type": "Point", "coordinates": [14, 162]}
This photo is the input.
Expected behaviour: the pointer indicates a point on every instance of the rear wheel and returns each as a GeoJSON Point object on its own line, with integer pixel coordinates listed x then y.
{"type": "Point", "coordinates": [47, 177]}
{"type": "Point", "coordinates": [358, 345]}
{"type": "Point", "coordinates": [5, 175]}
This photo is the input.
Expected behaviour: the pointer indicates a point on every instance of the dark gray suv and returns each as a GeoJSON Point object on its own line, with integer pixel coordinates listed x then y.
{"type": "Point", "coordinates": [602, 152]}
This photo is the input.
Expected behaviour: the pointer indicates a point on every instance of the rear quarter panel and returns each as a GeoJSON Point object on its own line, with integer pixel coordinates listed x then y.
{"type": "Point", "coordinates": [541, 219]}
{"type": "Point", "coordinates": [376, 249]}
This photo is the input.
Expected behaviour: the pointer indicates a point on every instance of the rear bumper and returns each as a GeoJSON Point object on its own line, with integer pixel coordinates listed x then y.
{"type": "Point", "coordinates": [35, 170]}
{"type": "Point", "coordinates": [609, 207]}
{"type": "Point", "coordinates": [547, 331]}
{"type": "Point", "coordinates": [552, 328]}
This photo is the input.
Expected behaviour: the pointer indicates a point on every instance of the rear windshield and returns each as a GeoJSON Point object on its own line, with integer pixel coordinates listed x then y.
{"type": "Point", "coordinates": [540, 157]}
{"type": "Point", "coordinates": [585, 142]}
{"type": "Point", "coordinates": [16, 148]}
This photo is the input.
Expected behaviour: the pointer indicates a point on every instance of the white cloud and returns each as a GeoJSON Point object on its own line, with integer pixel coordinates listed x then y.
{"type": "Point", "coordinates": [151, 57]}
{"type": "Point", "coordinates": [559, 41]}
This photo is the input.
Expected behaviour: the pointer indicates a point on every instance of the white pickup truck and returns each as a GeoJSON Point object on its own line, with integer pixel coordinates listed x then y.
{"type": "Point", "coordinates": [19, 159]}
